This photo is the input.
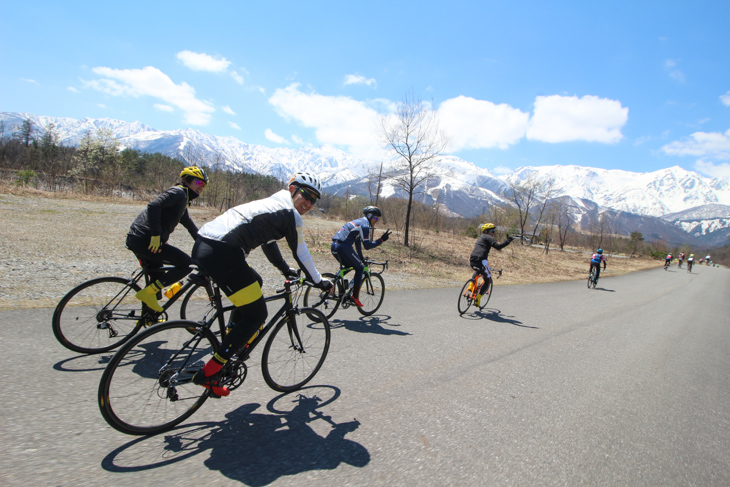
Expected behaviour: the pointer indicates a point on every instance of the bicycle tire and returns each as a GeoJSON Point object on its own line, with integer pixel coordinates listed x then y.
{"type": "Point", "coordinates": [321, 300]}
{"type": "Point", "coordinates": [296, 350]}
{"type": "Point", "coordinates": [98, 315]}
{"type": "Point", "coordinates": [485, 297]}
{"type": "Point", "coordinates": [591, 276]}
{"type": "Point", "coordinates": [135, 396]}
{"type": "Point", "coordinates": [465, 299]}
{"type": "Point", "coordinates": [197, 305]}
{"type": "Point", "coordinates": [372, 292]}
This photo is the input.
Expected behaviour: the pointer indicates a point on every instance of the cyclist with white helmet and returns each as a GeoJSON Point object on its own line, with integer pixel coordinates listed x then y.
{"type": "Point", "coordinates": [478, 260]}
{"type": "Point", "coordinates": [596, 260]}
{"type": "Point", "coordinates": [357, 233]}
{"type": "Point", "coordinates": [221, 251]}
{"type": "Point", "coordinates": [149, 233]}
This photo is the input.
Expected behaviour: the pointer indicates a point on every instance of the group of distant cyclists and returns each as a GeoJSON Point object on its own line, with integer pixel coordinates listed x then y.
{"type": "Point", "coordinates": [680, 259]}
{"type": "Point", "coordinates": [222, 245]}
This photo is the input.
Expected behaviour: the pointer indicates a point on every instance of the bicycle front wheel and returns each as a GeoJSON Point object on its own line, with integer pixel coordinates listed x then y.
{"type": "Point", "coordinates": [296, 350]}
{"type": "Point", "coordinates": [325, 302]}
{"type": "Point", "coordinates": [372, 293]}
{"type": "Point", "coordinates": [487, 294]}
{"type": "Point", "coordinates": [147, 386]}
{"type": "Point", "coordinates": [198, 306]}
{"type": "Point", "coordinates": [98, 315]}
{"type": "Point", "coordinates": [465, 296]}
{"type": "Point", "coordinates": [591, 276]}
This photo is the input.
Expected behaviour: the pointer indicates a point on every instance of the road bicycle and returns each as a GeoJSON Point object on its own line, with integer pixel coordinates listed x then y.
{"type": "Point", "coordinates": [592, 278]}
{"type": "Point", "coordinates": [147, 386]}
{"type": "Point", "coordinates": [101, 314]}
{"type": "Point", "coordinates": [471, 288]}
{"type": "Point", "coordinates": [372, 291]}
{"type": "Point", "coordinates": [689, 266]}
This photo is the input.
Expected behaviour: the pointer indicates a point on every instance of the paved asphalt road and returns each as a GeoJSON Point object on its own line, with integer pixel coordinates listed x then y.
{"type": "Point", "coordinates": [553, 384]}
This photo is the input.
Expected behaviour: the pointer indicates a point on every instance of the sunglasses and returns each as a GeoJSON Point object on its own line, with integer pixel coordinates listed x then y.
{"type": "Point", "coordinates": [199, 182]}
{"type": "Point", "coordinates": [374, 218]}
{"type": "Point", "coordinates": [309, 196]}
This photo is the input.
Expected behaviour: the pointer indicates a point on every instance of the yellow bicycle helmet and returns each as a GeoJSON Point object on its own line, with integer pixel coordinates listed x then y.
{"type": "Point", "coordinates": [194, 172]}
{"type": "Point", "coordinates": [487, 226]}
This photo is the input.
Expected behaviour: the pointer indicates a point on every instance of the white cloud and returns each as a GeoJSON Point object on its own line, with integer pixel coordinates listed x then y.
{"type": "Point", "coordinates": [569, 118]}
{"type": "Point", "coordinates": [237, 77]}
{"type": "Point", "coordinates": [101, 105]}
{"type": "Point", "coordinates": [357, 79]}
{"type": "Point", "coordinates": [163, 108]}
{"type": "Point", "coordinates": [234, 125]}
{"type": "Point", "coordinates": [31, 81]}
{"type": "Point", "coordinates": [725, 99]}
{"type": "Point", "coordinates": [203, 62]}
{"type": "Point", "coordinates": [670, 65]}
{"type": "Point", "coordinates": [701, 144]}
{"type": "Point", "coordinates": [152, 82]}
{"type": "Point", "coordinates": [479, 124]}
{"type": "Point", "coordinates": [274, 137]}
{"type": "Point", "coordinates": [72, 89]}
{"type": "Point", "coordinates": [297, 140]}
{"type": "Point", "coordinates": [336, 120]}
{"type": "Point", "coordinates": [720, 171]}
{"type": "Point", "coordinates": [228, 110]}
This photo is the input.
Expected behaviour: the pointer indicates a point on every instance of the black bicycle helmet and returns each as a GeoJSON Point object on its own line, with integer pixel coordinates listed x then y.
{"type": "Point", "coordinates": [369, 211]}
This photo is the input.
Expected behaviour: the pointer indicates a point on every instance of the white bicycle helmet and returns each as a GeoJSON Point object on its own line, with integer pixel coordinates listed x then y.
{"type": "Point", "coordinates": [307, 180]}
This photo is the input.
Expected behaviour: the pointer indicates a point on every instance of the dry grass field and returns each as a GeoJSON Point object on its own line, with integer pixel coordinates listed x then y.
{"type": "Point", "coordinates": [52, 241]}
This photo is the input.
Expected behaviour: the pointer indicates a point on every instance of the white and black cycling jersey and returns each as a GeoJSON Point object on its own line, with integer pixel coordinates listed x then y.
{"type": "Point", "coordinates": [262, 223]}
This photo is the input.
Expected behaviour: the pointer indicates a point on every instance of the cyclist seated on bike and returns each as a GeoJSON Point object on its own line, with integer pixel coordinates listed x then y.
{"type": "Point", "coordinates": [596, 260]}
{"type": "Point", "coordinates": [480, 254]}
{"type": "Point", "coordinates": [357, 233]}
{"type": "Point", "coordinates": [690, 260]}
{"type": "Point", "coordinates": [680, 258]}
{"type": "Point", "coordinates": [149, 233]}
{"type": "Point", "coordinates": [221, 250]}
{"type": "Point", "coordinates": [667, 260]}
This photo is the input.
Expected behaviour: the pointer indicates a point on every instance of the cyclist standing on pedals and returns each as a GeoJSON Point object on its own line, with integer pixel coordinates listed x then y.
{"type": "Point", "coordinates": [480, 254]}
{"type": "Point", "coordinates": [149, 233]}
{"type": "Point", "coordinates": [221, 251]}
{"type": "Point", "coordinates": [357, 233]}
{"type": "Point", "coordinates": [598, 257]}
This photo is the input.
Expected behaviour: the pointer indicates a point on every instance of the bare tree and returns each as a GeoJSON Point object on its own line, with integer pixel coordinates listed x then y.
{"type": "Point", "coordinates": [414, 136]}
{"type": "Point", "coordinates": [524, 196]}
{"type": "Point", "coordinates": [375, 179]}
{"type": "Point", "coordinates": [546, 190]}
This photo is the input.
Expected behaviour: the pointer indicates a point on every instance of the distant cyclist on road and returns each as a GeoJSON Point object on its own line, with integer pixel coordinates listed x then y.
{"type": "Point", "coordinates": [598, 257]}
{"type": "Point", "coordinates": [667, 260]}
{"type": "Point", "coordinates": [690, 261]}
{"type": "Point", "coordinates": [357, 233]}
{"type": "Point", "coordinates": [680, 259]}
{"type": "Point", "coordinates": [478, 260]}
{"type": "Point", "coordinates": [149, 233]}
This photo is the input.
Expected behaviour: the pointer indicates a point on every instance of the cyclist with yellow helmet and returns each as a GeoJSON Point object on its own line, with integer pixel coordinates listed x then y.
{"type": "Point", "coordinates": [149, 233]}
{"type": "Point", "coordinates": [480, 254]}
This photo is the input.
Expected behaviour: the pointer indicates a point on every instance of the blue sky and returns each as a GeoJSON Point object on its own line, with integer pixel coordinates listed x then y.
{"type": "Point", "coordinates": [627, 85]}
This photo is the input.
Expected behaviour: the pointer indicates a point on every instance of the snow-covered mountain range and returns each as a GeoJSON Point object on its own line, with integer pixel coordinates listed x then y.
{"type": "Point", "coordinates": [696, 206]}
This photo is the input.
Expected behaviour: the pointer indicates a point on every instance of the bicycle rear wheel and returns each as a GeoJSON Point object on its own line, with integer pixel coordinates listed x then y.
{"type": "Point", "coordinates": [465, 296]}
{"type": "Point", "coordinates": [296, 350]}
{"type": "Point", "coordinates": [372, 293]}
{"type": "Point", "coordinates": [323, 301]}
{"type": "Point", "coordinates": [98, 315]}
{"type": "Point", "coordinates": [147, 387]}
{"type": "Point", "coordinates": [591, 276]}
{"type": "Point", "coordinates": [197, 305]}
{"type": "Point", "coordinates": [487, 294]}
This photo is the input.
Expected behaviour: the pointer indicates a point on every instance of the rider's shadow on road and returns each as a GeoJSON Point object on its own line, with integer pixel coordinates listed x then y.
{"type": "Point", "coordinates": [369, 324]}
{"type": "Point", "coordinates": [254, 448]}
{"type": "Point", "coordinates": [495, 315]}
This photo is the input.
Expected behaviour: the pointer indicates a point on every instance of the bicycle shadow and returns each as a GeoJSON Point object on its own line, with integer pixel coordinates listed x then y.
{"type": "Point", "coordinates": [368, 324]}
{"type": "Point", "coordinates": [84, 363]}
{"type": "Point", "coordinates": [254, 448]}
{"type": "Point", "coordinates": [495, 315]}
{"type": "Point", "coordinates": [604, 289]}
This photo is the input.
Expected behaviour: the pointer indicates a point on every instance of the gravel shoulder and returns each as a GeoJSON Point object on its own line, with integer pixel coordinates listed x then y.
{"type": "Point", "coordinates": [51, 244]}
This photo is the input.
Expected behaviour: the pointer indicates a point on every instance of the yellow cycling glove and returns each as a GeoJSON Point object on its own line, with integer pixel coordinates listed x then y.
{"type": "Point", "coordinates": [154, 244]}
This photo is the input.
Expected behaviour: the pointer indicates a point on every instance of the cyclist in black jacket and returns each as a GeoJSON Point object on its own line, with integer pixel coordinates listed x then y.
{"type": "Point", "coordinates": [149, 233]}
{"type": "Point", "coordinates": [221, 251]}
{"type": "Point", "coordinates": [480, 254]}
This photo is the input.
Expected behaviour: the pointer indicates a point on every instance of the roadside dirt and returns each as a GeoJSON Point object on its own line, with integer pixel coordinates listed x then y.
{"type": "Point", "coordinates": [51, 242]}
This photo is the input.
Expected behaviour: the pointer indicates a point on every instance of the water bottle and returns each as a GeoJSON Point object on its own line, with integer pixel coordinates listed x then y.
{"type": "Point", "coordinates": [172, 290]}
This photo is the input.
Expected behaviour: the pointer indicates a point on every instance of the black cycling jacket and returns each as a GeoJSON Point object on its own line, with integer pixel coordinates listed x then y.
{"type": "Point", "coordinates": [164, 213]}
{"type": "Point", "coordinates": [482, 246]}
